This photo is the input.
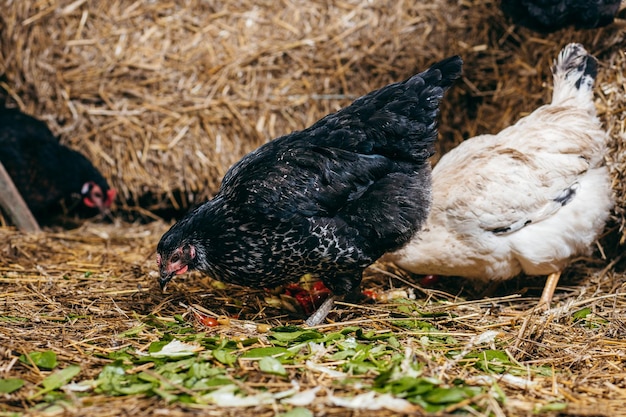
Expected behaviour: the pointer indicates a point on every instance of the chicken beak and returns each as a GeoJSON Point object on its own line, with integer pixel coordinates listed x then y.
{"type": "Point", "coordinates": [165, 278]}
{"type": "Point", "coordinates": [168, 269]}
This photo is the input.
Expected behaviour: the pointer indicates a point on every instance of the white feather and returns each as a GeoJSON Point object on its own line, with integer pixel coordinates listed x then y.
{"type": "Point", "coordinates": [525, 200]}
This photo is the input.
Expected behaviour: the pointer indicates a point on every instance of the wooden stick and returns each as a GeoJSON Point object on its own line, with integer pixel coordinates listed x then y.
{"type": "Point", "coordinates": [13, 204]}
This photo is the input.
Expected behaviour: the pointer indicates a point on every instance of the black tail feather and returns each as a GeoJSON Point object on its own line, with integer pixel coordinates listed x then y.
{"type": "Point", "coordinates": [449, 71]}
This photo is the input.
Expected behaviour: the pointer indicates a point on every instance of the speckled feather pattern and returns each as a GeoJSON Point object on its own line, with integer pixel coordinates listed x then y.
{"type": "Point", "coordinates": [525, 200]}
{"type": "Point", "coordinates": [328, 200]}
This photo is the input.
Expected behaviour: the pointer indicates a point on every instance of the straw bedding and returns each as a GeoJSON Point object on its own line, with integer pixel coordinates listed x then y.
{"type": "Point", "coordinates": [78, 291]}
{"type": "Point", "coordinates": [164, 96]}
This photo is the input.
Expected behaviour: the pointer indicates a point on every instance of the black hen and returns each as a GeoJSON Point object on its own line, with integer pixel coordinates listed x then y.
{"type": "Point", "coordinates": [552, 15]}
{"type": "Point", "coordinates": [328, 200]}
{"type": "Point", "coordinates": [46, 173]}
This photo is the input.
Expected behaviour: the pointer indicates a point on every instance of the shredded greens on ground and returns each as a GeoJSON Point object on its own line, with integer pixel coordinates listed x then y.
{"type": "Point", "coordinates": [384, 368]}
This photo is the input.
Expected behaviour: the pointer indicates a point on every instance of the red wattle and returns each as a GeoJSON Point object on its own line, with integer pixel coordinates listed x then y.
{"type": "Point", "coordinates": [88, 202]}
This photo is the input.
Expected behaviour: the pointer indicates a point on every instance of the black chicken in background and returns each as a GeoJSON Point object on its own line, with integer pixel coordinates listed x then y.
{"type": "Point", "coordinates": [328, 200]}
{"type": "Point", "coordinates": [551, 15]}
{"type": "Point", "coordinates": [46, 173]}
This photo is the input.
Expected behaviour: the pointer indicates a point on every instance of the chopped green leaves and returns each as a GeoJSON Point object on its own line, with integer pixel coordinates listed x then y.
{"type": "Point", "coordinates": [581, 314]}
{"type": "Point", "coordinates": [272, 365]}
{"type": "Point", "coordinates": [258, 353]}
{"type": "Point", "coordinates": [42, 360]}
{"type": "Point", "coordinates": [10, 385]}
{"type": "Point", "coordinates": [386, 364]}
{"type": "Point", "coordinates": [224, 357]}
{"type": "Point", "coordinates": [57, 379]}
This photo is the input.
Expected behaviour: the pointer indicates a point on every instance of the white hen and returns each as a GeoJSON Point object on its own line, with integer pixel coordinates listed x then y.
{"type": "Point", "coordinates": [525, 200]}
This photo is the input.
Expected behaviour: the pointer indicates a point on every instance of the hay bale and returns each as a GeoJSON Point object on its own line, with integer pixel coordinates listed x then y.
{"type": "Point", "coordinates": [611, 104]}
{"type": "Point", "coordinates": [165, 96]}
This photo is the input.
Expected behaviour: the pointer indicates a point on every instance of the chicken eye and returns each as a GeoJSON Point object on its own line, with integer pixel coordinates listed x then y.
{"type": "Point", "coordinates": [175, 258]}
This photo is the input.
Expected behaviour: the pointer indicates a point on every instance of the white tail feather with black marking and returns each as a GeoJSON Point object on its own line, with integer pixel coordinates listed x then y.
{"type": "Point", "coordinates": [574, 73]}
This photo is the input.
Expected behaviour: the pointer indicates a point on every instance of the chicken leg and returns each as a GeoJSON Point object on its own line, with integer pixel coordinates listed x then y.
{"type": "Point", "coordinates": [320, 314]}
{"type": "Point", "coordinates": [549, 288]}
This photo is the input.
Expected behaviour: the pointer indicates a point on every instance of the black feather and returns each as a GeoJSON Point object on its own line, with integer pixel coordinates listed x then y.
{"type": "Point", "coordinates": [552, 15]}
{"type": "Point", "coordinates": [328, 200]}
{"type": "Point", "coordinates": [45, 172]}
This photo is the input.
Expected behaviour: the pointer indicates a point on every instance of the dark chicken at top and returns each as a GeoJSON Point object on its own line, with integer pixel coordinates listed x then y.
{"type": "Point", "coordinates": [552, 15]}
{"type": "Point", "coordinates": [328, 200]}
{"type": "Point", "coordinates": [45, 172]}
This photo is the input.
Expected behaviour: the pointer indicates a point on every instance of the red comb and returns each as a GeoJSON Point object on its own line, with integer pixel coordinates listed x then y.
{"type": "Point", "coordinates": [110, 197]}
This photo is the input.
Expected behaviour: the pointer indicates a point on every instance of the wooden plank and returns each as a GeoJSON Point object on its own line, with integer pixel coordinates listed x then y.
{"type": "Point", "coordinates": [14, 206]}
